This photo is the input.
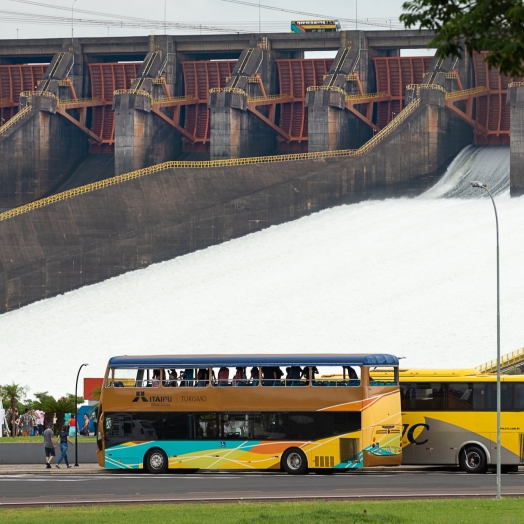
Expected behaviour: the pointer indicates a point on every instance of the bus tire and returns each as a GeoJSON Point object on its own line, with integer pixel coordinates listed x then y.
{"type": "Point", "coordinates": [156, 461]}
{"type": "Point", "coordinates": [294, 462]}
{"type": "Point", "coordinates": [473, 459]}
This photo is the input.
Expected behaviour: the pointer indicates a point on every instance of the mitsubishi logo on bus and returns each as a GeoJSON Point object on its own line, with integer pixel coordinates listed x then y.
{"type": "Point", "coordinates": [140, 395]}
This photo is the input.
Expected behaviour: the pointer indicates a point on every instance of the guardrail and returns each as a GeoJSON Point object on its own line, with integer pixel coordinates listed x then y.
{"type": "Point", "coordinates": [367, 95]}
{"type": "Point", "coordinates": [335, 89]}
{"type": "Point", "coordinates": [235, 90]}
{"type": "Point", "coordinates": [515, 84]}
{"type": "Point", "coordinates": [466, 92]}
{"type": "Point", "coordinates": [507, 361]}
{"type": "Point", "coordinates": [139, 92]}
{"type": "Point", "coordinates": [215, 163]}
{"type": "Point", "coordinates": [12, 121]}
{"type": "Point", "coordinates": [384, 132]}
{"type": "Point", "coordinates": [166, 99]}
{"type": "Point", "coordinates": [70, 102]}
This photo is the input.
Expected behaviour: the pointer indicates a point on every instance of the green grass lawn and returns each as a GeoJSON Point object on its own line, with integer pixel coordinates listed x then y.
{"type": "Point", "coordinates": [18, 440]}
{"type": "Point", "coordinates": [474, 511]}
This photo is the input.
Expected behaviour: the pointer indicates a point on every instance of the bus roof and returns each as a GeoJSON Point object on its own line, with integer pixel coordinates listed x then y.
{"type": "Point", "coordinates": [181, 361]}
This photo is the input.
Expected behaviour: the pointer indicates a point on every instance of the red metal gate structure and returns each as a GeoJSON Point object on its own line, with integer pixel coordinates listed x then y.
{"type": "Point", "coordinates": [393, 74]}
{"type": "Point", "coordinates": [295, 76]}
{"type": "Point", "coordinates": [106, 78]}
{"type": "Point", "coordinates": [492, 113]}
{"type": "Point", "coordinates": [13, 80]}
{"type": "Point", "coordinates": [199, 77]}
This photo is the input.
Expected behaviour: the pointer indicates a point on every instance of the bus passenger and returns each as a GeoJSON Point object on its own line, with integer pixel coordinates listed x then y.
{"type": "Point", "coordinates": [173, 377]}
{"type": "Point", "coordinates": [203, 378]}
{"type": "Point", "coordinates": [309, 372]}
{"type": "Point", "coordinates": [223, 376]}
{"type": "Point", "coordinates": [240, 376]}
{"type": "Point", "coordinates": [255, 376]}
{"type": "Point", "coordinates": [156, 378]}
{"type": "Point", "coordinates": [352, 374]}
{"type": "Point", "coordinates": [212, 430]}
{"type": "Point", "coordinates": [295, 372]}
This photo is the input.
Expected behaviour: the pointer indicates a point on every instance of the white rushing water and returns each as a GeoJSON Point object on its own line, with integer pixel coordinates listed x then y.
{"type": "Point", "coordinates": [485, 164]}
{"type": "Point", "coordinates": [415, 278]}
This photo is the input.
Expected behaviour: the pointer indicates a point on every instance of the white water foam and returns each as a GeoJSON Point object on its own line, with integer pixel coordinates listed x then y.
{"type": "Point", "coordinates": [415, 278]}
{"type": "Point", "coordinates": [488, 164]}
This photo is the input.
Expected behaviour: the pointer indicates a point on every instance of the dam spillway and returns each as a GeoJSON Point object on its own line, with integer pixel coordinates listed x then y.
{"type": "Point", "coordinates": [217, 138]}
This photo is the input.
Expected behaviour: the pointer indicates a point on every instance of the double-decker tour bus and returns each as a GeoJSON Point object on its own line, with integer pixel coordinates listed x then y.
{"type": "Point", "coordinates": [449, 417]}
{"type": "Point", "coordinates": [314, 26]}
{"type": "Point", "coordinates": [245, 412]}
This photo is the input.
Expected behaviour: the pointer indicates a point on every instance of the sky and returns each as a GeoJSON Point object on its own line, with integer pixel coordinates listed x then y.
{"type": "Point", "coordinates": [28, 18]}
{"type": "Point", "coordinates": [412, 277]}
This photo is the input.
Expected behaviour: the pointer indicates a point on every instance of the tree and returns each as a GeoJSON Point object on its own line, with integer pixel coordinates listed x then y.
{"type": "Point", "coordinates": [13, 393]}
{"type": "Point", "coordinates": [58, 407]}
{"type": "Point", "coordinates": [472, 26]}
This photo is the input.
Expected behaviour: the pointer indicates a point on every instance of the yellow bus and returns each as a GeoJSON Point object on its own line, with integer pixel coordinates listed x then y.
{"type": "Point", "coordinates": [449, 417]}
{"type": "Point", "coordinates": [314, 26]}
{"type": "Point", "coordinates": [243, 412]}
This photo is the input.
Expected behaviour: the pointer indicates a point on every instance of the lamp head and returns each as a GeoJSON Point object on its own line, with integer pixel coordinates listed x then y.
{"type": "Point", "coordinates": [476, 183]}
{"type": "Point", "coordinates": [86, 364]}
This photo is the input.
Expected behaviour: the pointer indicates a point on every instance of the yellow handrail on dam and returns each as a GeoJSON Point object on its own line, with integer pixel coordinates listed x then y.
{"type": "Point", "coordinates": [507, 361]}
{"type": "Point", "coordinates": [12, 121]}
{"type": "Point", "coordinates": [215, 163]}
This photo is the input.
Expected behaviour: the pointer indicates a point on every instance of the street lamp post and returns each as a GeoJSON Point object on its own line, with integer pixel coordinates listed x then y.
{"type": "Point", "coordinates": [481, 185]}
{"type": "Point", "coordinates": [76, 413]}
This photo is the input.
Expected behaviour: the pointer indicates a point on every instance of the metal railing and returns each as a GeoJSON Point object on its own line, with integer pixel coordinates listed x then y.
{"type": "Point", "coordinates": [12, 121]}
{"type": "Point", "coordinates": [165, 99]}
{"type": "Point", "coordinates": [235, 90]}
{"type": "Point", "coordinates": [139, 92]}
{"type": "Point", "coordinates": [215, 163]}
{"type": "Point", "coordinates": [384, 132]}
{"type": "Point", "coordinates": [335, 89]}
{"type": "Point", "coordinates": [72, 101]}
{"type": "Point", "coordinates": [507, 361]}
{"type": "Point", "coordinates": [367, 95]}
{"type": "Point", "coordinates": [466, 92]}
{"type": "Point", "coordinates": [269, 98]}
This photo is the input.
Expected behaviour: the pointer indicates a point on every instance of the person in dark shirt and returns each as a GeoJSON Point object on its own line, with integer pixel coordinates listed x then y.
{"type": "Point", "coordinates": [63, 437]}
{"type": "Point", "coordinates": [49, 445]}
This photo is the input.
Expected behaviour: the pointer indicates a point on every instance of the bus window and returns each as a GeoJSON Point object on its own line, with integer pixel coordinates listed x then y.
{"type": "Point", "coordinates": [123, 378]}
{"type": "Point", "coordinates": [519, 397]}
{"type": "Point", "coordinates": [479, 397]}
{"type": "Point", "coordinates": [338, 376]}
{"type": "Point", "coordinates": [460, 396]}
{"type": "Point", "coordinates": [124, 427]}
{"type": "Point", "coordinates": [506, 396]}
{"type": "Point", "coordinates": [427, 396]}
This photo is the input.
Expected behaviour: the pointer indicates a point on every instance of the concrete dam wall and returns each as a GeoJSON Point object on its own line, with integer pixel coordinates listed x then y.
{"type": "Point", "coordinates": [92, 233]}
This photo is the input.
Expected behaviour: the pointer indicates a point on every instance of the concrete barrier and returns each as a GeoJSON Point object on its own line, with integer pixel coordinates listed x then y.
{"type": "Point", "coordinates": [33, 453]}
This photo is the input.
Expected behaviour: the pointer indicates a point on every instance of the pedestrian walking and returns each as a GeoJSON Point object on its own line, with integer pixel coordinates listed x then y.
{"type": "Point", "coordinates": [26, 423]}
{"type": "Point", "coordinates": [49, 445]}
{"type": "Point", "coordinates": [63, 437]}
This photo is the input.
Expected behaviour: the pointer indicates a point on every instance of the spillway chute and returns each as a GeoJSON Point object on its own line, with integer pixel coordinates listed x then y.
{"type": "Point", "coordinates": [487, 164]}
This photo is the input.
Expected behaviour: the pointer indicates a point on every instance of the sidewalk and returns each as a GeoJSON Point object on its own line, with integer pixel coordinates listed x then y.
{"type": "Point", "coordinates": [31, 469]}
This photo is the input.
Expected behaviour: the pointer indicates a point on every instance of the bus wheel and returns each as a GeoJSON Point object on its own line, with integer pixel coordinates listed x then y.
{"type": "Point", "coordinates": [473, 459]}
{"type": "Point", "coordinates": [156, 461]}
{"type": "Point", "coordinates": [294, 462]}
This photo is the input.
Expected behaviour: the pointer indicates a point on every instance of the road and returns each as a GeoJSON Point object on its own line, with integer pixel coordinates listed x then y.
{"type": "Point", "coordinates": [122, 487]}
